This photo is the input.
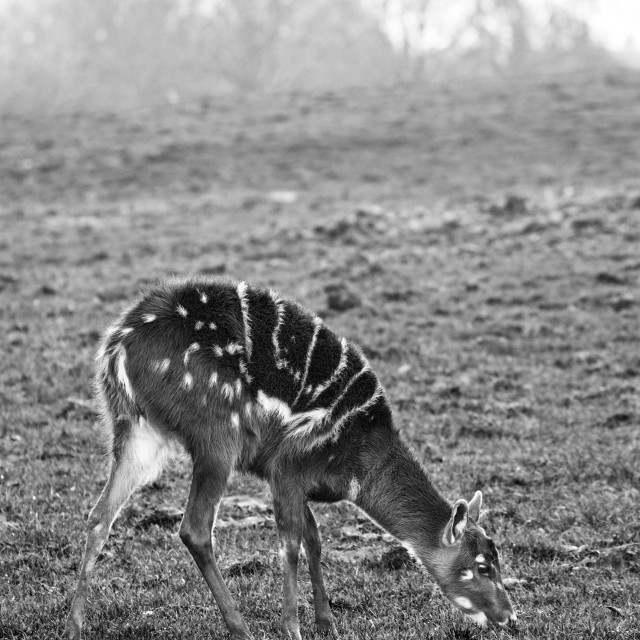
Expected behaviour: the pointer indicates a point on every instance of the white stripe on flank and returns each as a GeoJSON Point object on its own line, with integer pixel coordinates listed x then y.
{"type": "Point", "coordinates": [337, 371]}
{"type": "Point", "coordinates": [238, 386]}
{"type": "Point", "coordinates": [123, 378]}
{"type": "Point", "coordinates": [363, 407]}
{"type": "Point", "coordinates": [276, 330]}
{"type": "Point", "coordinates": [298, 424]}
{"type": "Point", "coordinates": [181, 310]}
{"type": "Point", "coordinates": [149, 317]}
{"type": "Point", "coordinates": [317, 322]}
{"type": "Point", "coordinates": [274, 405]}
{"type": "Point", "coordinates": [302, 424]}
{"type": "Point", "coordinates": [244, 305]}
{"type": "Point", "coordinates": [348, 386]}
{"type": "Point", "coordinates": [189, 350]}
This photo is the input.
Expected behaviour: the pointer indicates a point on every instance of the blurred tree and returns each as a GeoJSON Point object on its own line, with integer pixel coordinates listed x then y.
{"type": "Point", "coordinates": [120, 53]}
{"type": "Point", "coordinates": [481, 36]}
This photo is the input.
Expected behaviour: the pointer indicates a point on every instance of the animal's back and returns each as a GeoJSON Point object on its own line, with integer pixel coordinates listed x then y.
{"type": "Point", "coordinates": [198, 354]}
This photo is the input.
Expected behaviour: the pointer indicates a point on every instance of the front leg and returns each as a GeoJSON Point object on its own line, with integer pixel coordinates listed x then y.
{"type": "Point", "coordinates": [313, 549]}
{"type": "Point", "coordinates": [289, 514]}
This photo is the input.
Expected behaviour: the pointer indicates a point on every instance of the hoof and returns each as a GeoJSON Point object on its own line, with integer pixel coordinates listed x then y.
{"type": "Point", "coordinates": [291, 633]}
{"type": "Point", "coordinates": [327, 628]}
{"type": "Point", "coordinates": [73, 630]}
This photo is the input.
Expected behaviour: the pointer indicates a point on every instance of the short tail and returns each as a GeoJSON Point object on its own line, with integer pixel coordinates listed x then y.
{"type": "Point", "coordinates": [114, 397]}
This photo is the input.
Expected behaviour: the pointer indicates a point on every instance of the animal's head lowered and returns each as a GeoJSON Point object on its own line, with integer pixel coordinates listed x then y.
{"type": "Point", "coordinates": [468, 568]}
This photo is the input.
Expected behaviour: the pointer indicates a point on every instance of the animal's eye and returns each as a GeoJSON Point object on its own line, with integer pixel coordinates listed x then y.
{"type": "Point", "coordinates": [484, 569]}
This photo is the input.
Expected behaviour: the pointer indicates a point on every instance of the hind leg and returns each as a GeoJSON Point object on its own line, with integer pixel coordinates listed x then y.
{"type": "Point", "coordinates": [136, 462]}
{"type": "Point", "coordinates": [207, 487]}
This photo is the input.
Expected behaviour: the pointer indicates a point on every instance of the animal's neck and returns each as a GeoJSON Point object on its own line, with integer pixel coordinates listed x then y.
{"type": "Point", "coordinates": [397, 493]}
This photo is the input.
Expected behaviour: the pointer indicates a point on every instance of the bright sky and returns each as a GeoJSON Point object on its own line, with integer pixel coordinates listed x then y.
{"type": "Point", "coordinates": [617, 23]}
{"type": "Point", "coordinates": [614, 23]}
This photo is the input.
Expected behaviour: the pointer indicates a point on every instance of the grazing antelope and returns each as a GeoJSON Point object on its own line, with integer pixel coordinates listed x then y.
{"type": "Point", "coordinates": [241, 378]}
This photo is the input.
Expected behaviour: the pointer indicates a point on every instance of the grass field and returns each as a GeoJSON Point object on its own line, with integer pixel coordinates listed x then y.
{"type": "Point", "coordinates": [480, 242]}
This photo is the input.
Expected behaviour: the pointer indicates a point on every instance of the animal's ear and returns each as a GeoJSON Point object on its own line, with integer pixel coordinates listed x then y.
{"type": "Point", "coordinates": [457, 524]}
{"type": "Point", "coordinates": [475, 505]}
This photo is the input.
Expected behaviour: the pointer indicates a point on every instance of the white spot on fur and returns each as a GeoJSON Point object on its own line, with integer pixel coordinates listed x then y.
{"type": "Point", "coordinates": [242, 366]}
{"type": "Point", "coordinates": [203, 298]}
{"type": "Point", "coordinates": [248, 409]}
{"type": "Point", "coordinates": [244, 305]}
{"type": "Point", "coordinates": [463, 603]}
{"type": "Point", "coordinates": [161, 366]}
{"type": "Point", "coordinates": [235, 420]}
{"type": "Point", "coordinates": [149, 317]}
{"type": "Point", "coordinates": [199, 325]}
{"type": "Point", "coordinates": [233, 348]}
{"type": "Point", "coordinates": [479, 618]}
{"type": "Point", "coordinates": [125, 331]}
{"type": "Point", "coordinates": [213, 326]}
{"type": "Point", "coordinates": [123, 378]}
{"type": "Point", "coordinates": [238, 385]}
{"type": "Point", "coordinates": [467, 574]}
{"type": "Point", "coordinates": [213, 379]}
{"type": "Point", "coordinates": [181, 310]}
{"type": "Point", "coordinates": [354, 489]}
{"type": "Point", "coordinates": [217, 349]}
{"type": "Point", "coordinates": [187, 381]}
{"type": "Point", "coordinates": [227, 391]}
{"type": "Point", "coordinates": [190, 349]}
{"type": "Point", "coordinates": [480, 558]}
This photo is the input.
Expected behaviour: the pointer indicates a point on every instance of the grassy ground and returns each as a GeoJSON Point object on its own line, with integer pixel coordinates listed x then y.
{"type": "Point", "coordinates": [505, 330]}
